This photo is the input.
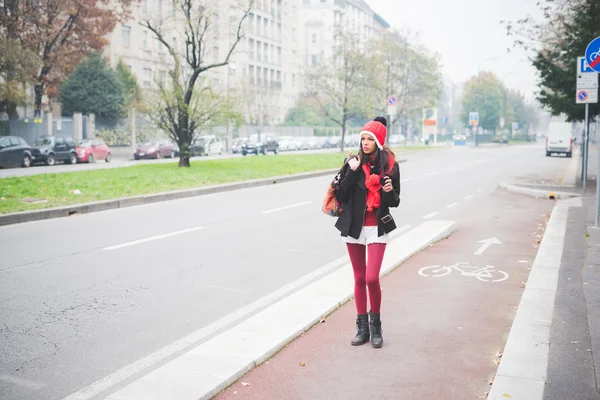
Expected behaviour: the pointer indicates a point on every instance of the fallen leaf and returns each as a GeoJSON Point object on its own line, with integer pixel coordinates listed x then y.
{"type": "Point", "coordinates": [522, 285]}
{"type": "Point", "coordinates": [491, 380]}
{"type": "Point", "coordinates": [575, 342]}
{"type": "Point", "coordinates": [322, 320]}
{"type": "Point", "coordinates": [498, 353]}
{"type": "Point", "coordinates": [497, 361]}
{"type": "Point", "coordinates": [245, 384]}
{"type": "Point", "coordinates": [506, 395]}
{"type": "Point", "coordinates": [235, 392]}
{"type": "Point", "coordinates": [302, 363]}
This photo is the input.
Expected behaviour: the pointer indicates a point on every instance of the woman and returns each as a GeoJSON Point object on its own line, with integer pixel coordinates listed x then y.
{"type": "Point", "coordinates": [370, 186]}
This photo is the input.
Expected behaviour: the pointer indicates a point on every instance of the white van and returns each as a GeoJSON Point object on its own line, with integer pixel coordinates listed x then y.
{"type": "Point", "coordinates": [559, 139]}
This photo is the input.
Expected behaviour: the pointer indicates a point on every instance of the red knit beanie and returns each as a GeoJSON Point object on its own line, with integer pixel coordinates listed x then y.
{"type": "Point", "coordinates": [377, 130]}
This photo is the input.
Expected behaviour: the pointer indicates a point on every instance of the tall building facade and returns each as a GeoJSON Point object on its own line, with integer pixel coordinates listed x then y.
{"type": "Point", "coordinates": [323, 21]}
{"type": "Point", "coordinates": [264, 70]}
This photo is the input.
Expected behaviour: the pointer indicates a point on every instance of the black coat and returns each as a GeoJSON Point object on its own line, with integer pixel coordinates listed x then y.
{"type": "Point", "coordinates": [352, 194]}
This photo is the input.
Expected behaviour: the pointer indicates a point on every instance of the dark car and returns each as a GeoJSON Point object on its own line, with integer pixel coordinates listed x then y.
{"type": "Point", "coordinates": [198, 147]}
{"type": "Point", "coordinates": [260, 145]}
{"type": "Point", "coordinates": [14, 151]}
{"type": "Point", "coordinates": [50, 149]}
{"type": "Point", "coordinates": [237, 146]}
{"type": "Point", "coordinates": [156, 149]}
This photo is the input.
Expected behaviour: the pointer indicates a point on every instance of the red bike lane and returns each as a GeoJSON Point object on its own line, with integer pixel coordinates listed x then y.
{"type": "Point", "coordinates": [442, 326]}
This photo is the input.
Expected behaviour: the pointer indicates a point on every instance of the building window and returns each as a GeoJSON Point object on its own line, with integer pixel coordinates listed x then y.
{"type": "Point", "coordinates": [162, 77]}
{"type": "Point", "coordinates": [215, 53]}
{"type": "Point", "coordinates": [145, 40]}
{"type": "Point", "coordinates": [306, 1]}
{"type": "Point", "coordinates": [314, 38]}
{"type": "Point", "coordinates": [266, 53]}
{"type": "Point", "coordinates": [314, 59]}
{"type": "Point", "coordinates": [251, 49]}
{"type": "Point", "coordinates": [145, 5]}
{"type": "Point", "coordinates": [126, 35]}
{"type": "Point", "coordinates": [146, 78]}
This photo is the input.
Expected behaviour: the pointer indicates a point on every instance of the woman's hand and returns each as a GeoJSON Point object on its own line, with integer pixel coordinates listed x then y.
{"type": "Point", "coordinates": [354, 163]}
{"type": "Point", "coordinates": [388, 185]}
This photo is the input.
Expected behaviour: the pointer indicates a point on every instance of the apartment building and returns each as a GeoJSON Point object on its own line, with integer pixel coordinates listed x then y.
{"type": "Point", "coordinates": [263, 74]}
{"type": "Point", "coordinates": [324, 20]}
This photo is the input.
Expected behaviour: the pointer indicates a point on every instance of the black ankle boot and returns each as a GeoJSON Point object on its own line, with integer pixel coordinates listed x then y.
{"type": "Point", "coordinates": [376, 331]}
{"type": "Point", "coordinates": [362, 327]}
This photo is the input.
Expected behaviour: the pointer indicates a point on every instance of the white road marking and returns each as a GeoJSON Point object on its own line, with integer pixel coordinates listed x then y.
{"type": "Point", "coordinates": [469, 197]}
{"type": "Point", "coordinates": [128, 371]}
{"type": "Point", "coordinates": [286, 207]}
{"type": "Point", "coordinates": [453, 169]}
{"type": "Point", "coordinates": [486, 243]}
{"type": "Point", "coordinates": [432, 173]}
{"type": "Point", "coordinates": [406, 180]}
{"type": "Point", "coordinates": [431, 215]}
{"type": "Point", "coordinates": [150, 239]}
{"type": "Point", "coordinates": [452, 205]}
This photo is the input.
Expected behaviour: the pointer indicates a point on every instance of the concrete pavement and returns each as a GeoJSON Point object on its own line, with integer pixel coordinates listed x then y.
{"type": "Point", "coordinates": [86, 296]}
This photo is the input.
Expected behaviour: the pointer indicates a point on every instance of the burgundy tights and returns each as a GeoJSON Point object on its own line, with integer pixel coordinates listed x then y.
{"type": "Point", "coordinates": [366, 273]}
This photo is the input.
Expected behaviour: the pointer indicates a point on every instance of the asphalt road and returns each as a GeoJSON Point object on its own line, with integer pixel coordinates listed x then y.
{"type": "Point", "coordinates": [85, 296]}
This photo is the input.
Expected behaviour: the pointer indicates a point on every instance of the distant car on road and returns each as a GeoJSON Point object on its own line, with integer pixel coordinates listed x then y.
{"type": "Point", "coordinates": [90, 150]}
{"type": "Point", "coordinates": [156, 149]}
{"type": "Point", "coordinates": [237, 146]}
{"type": "Point", "coordinates": [559, 139]}
{"type": "Point", "coordinates": [14, 151]}
{"type": "Point", "coordinates": [50, 149]}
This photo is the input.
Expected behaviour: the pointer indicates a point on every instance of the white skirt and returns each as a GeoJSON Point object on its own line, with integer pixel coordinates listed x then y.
{"type": "Point", "coordinates": [368, 235]}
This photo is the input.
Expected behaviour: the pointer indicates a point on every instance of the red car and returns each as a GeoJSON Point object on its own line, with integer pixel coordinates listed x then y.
{"type": "Point", "coordinates": [90, 150]}
{"type": "Point", "coordinates": [156, 149]}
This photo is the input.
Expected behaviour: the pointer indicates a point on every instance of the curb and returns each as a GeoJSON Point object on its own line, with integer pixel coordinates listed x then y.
{"type": "Point", "coordinates": [225, 358]}
{"type": "Point", "coordinates": [66, 211]}
{"type": "Point", "coordinates": [523, 370]}
{"type": "Point", "coordinates": [537, 193]}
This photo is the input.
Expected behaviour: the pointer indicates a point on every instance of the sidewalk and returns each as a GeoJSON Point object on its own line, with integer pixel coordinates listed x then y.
{"type": "Point", "coordinates": [442, 327]}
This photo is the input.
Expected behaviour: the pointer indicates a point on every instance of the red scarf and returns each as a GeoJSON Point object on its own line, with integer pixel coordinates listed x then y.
{"type": "Point", "coordinates": [373, 183]}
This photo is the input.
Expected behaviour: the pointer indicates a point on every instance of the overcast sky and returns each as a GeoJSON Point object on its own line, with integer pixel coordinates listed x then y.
{"type": "Point", "coordinates": [466, 34]}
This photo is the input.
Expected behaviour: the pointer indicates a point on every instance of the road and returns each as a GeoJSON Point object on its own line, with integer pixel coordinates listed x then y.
{"type": "Point", "coordinates": [83, 297]}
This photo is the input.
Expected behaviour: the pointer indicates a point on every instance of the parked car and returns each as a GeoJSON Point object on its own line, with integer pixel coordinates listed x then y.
{"type": "Point", "coordinates": [313, 143]}
{"type": "Point", "coordinates": [286, 143]}
{"type": "Point", "coordinates": [14, 151]}
{"type": "Point", "coordinates": [237, 145]}
{"type": "Point", "coordinates": [50, 149]}
{"type": "Point", "coordinates": [156, 149]}
{"type": "Point", "coordinates": [260, 145]}
{"type": "Point", "coordinates": [207, 145]}
{"type": "Point", "coordinates": [90, 150]}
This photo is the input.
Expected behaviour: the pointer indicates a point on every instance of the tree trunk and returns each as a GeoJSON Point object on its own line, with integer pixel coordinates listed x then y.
{"type": "Point", "coordinates": [184, 161]}
{"type": "Point", "coordinates": [39, 93]}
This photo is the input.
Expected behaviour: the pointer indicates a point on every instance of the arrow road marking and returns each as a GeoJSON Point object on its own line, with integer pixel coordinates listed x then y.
{"type": "Point", "coordinates": [486, 243]}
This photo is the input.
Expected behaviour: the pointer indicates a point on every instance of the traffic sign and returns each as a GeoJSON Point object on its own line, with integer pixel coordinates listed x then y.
{"type": "Point", "coordinates": [502, 120]}
{"type": "Point", "coordinates": [515, 126]}
{"type": "Point", "coordinates": [589, 96]}
{"type": "Point", "coordinates": [473, 118]}
{"type": "Point", "coordinates": [586, 77]}
{"type": "Point", "coordinates": [392, 100]}
{"type": "Point", "coordinates": [592, 54]}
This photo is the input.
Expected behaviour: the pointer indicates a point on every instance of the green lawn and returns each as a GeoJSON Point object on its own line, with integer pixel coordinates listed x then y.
{"type": "Point", "coordinates": [57, 189]}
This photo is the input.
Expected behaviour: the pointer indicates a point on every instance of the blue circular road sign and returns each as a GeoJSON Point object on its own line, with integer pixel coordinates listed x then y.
{"type": "Point", "coordinates": [582, 95]}
{"type": "Point", "coordinates": [592, 54]}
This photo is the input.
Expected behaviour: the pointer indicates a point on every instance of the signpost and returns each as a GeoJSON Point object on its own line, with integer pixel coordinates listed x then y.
{"type": "Point", "coordinates": [587, 93]}
{"type": "Point", "coordinates": [430, 116]}
{"type": "Point", "coordinates": [474, 121]}
{"type": "Point", "coordinates": [587, 81]}
{"type": "Point", "coordinates": [502, 121]}
{"type": "Point", "coordinates": [392, 109]}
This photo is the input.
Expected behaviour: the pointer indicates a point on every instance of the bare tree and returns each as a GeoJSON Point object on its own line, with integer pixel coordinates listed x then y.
{"type": "Point", "coordinates": [183, 106]}
{"type": "Point", "coordinates": [341, 85]}
{"type": "Point", "coordinates": [407, 71]}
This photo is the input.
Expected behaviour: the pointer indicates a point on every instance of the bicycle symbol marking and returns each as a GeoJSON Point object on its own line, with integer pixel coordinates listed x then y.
{"type": "Point", "coordinates": [487, 273]}
{"type": "Point", "coordinates": [594, 55]}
